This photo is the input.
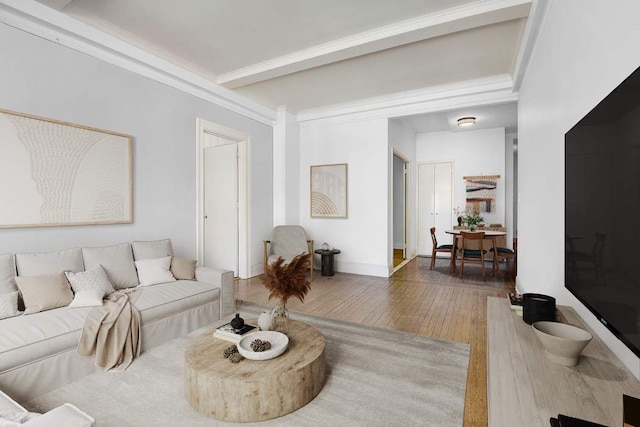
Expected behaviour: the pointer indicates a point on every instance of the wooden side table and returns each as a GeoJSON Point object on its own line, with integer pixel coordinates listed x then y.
{"type": "Point", "coordinates": [326, 260]}
{"type": "Point", "coordinates": [254, 390]}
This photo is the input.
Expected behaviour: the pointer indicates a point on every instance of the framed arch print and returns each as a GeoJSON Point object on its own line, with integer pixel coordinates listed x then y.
{"type": "Point", "coordinates": [329, 191]}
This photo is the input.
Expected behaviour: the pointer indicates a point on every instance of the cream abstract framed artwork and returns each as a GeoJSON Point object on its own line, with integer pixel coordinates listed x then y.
{"type": "Point", "coordinates": [329, 191]}
{"type": "Point", "coordinates": [54, 173]}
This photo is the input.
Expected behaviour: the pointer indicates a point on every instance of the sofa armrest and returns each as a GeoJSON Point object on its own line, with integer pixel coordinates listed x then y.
{"type": "Point", "coordinates": [65, 415]}
{"type": "Point", "coordinates": [223, 279]}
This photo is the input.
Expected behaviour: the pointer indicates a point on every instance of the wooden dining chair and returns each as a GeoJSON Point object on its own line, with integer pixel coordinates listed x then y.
{"type": "Point", "coordinates": [507, 254]}
{"type": "Point", "coordinates": [469, 252]}
{"type": "Point", "coordinates": [437, 248]}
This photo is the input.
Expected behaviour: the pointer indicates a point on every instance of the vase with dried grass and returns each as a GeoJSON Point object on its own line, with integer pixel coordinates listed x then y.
{"type": "Point", "coordinates": [283, 282]}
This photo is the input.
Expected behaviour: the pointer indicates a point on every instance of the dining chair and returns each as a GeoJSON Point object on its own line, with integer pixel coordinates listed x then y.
{"type": "Point", "coordinates": [507, 254]}
{"type": "Point", "coordinates": [471, 240]}
{"type": "Point", "coordinates": [437, 248]}
{"type": "Point", "coordinates": [589, 260]}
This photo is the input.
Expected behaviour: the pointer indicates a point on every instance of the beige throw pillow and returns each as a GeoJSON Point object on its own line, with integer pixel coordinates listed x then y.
{"type": "Point", "coordinates": [183, 269]}
{"type": "Point", "coordinates": [46, 292]}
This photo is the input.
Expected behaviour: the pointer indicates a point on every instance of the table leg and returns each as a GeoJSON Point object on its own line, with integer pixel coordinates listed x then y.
{"type": "Point", "coordinates": [454, 250]}
{"type": "Point", "coordinates": [496, 267]}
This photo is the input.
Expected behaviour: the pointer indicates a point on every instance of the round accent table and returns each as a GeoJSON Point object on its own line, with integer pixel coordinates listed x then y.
{"type": "Point", "coordinates": [326, 260]}
{"type": "Point", "coordinates": [253, 390]}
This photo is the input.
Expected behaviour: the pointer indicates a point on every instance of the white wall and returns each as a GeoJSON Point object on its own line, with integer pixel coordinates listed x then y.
{"type": "Point", "coordinates": [363, 236]}
{"type": "Point", "coordinates": [584, 50]}
{"type": "Point", "coordinates": [45, 79]}
{"type": "Point", "coordinates": [480, 152]}
{"type": "Point", "coordinates": [286, 169]}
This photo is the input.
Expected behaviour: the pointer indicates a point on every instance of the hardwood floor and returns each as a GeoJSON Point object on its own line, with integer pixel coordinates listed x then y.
{"type": "Point", "coordinates": [427, 302]}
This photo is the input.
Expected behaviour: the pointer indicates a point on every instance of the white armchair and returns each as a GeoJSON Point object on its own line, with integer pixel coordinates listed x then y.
{"type": "Point", "coordinates": [287, 241]}
{"type": "Point", "coordinates": [65, 415]}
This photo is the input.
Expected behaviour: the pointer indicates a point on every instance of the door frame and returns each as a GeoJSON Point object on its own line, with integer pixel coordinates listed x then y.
{"type": "Point", "coordinates": [407, 211]}
{"type": "Point", "coordinates": [243, 140]}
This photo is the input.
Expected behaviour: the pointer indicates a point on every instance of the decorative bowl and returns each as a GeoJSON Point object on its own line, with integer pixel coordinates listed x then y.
{"type": "Point", "coordinates": [562, 343]}
{"type": "Point", "coordinates": [278, 340]}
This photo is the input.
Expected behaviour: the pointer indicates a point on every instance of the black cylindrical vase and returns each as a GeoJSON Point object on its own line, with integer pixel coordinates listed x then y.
{"type": "Point", "coordinates": [538, 307]}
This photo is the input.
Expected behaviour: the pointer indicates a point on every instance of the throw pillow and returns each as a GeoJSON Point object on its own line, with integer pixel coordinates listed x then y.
{"type": "Point", "coordinates": [9, 305]}
{"type": "Point", "coordinates": [183, 269]}
{"type": "Point", "coordinates": [90, 298]}
{"type": "Point", "coordinates": [94, 279]}
{"type": "Point", "coordinates": [154, 271]}
{"type": "Point", "coordinates": [89, 286]}
{"type": "Point", "coordinates": [45, 292]}
{"type": "Point", "coordinates": [7, 273]}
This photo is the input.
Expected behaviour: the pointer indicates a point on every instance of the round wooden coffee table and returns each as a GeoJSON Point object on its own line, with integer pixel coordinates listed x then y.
{"type": "Point", "coordinates": [254, 390]}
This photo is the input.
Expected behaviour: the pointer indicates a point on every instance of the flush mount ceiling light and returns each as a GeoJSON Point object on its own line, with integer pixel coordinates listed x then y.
{"type": "Point", "coordinates": [466, 121]}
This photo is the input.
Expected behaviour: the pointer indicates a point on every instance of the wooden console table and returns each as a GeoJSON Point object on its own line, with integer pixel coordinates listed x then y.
{"type": "Point", "coordinates": [526, 389]}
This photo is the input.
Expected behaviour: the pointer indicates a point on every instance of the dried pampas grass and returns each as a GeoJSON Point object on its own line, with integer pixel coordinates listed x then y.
{"type": "Point", "coordinates": [288, 280]}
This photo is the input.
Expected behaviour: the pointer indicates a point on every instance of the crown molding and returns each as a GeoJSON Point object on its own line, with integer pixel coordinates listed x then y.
{"type": "Point", "coordinates": [531, 31]}
{"type": "Point", "coordinates": [47, 23]}
{"type": "Point", "coordinates": [464, 17]}
{"type": "Point", "coordinates": [492, 90]}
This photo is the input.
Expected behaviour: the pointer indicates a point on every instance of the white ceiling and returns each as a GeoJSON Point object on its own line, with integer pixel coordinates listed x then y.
{"type": "Point", "coordinates": [310, 54]}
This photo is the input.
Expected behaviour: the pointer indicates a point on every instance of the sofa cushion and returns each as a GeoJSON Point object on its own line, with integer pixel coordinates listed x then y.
{"type": "Point", "coordinates": [7, 273]}
{"type": "Point", "coordinates": [154, 271]}
{"type": "Point", "coordinates": [24, 339]}
{"type": "Point", "coordinates": [151, 249]}
{"type": "Point", "coordinates": [166, 299]}
{"type": "Point", "coordinates": [44, 292]}
{"type": "Point", "coordinates": [183, 269]}
{"type": "Point", "coordinates": [9, 305]}
{"type": "Point", "coordinates": [37, 264]}
{"type": "Point", "coordinates": [117, 262]}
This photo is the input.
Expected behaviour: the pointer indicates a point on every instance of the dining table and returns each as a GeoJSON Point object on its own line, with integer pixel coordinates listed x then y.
{"type": "Point", "coordinates": [488, 234]}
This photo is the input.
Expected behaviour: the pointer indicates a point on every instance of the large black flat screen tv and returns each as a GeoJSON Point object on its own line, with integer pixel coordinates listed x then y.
{"type": "Point", "coordinates": [602, 211]}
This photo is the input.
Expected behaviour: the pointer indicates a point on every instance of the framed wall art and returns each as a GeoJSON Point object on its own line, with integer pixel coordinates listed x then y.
{"type": "Point", "coordinates": [329, 191]}
{"type": "Point", "coordinates": [481, 193]}
{"type": "Point", "coordinates": [54, 173]}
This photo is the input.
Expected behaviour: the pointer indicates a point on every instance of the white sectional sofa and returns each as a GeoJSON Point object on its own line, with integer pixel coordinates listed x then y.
{"type": "Point", "coordinates": [38, 351]}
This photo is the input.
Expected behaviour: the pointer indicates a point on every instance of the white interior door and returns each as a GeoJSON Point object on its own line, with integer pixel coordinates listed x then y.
{"type": "Point", "coordinates": [221, 206]}
{"type": "Point", "coordinates": [434, 203]}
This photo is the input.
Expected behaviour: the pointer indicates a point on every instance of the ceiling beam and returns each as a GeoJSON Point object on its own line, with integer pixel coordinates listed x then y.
{"type": "Point", "coordinates": [471, 15]}
{"type": "Point", "coordinates": [55, 4]}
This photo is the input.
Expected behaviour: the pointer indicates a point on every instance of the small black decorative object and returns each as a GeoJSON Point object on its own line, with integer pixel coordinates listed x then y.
{"type": "Point", "coordinates": [237, 322]}
{"type": "Point", "coordinates": [459, 221]}
{"type": "Point", "coordinates": [538, 307]}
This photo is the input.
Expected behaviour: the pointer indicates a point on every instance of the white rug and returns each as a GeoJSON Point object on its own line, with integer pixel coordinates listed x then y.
{"type": "Point", "coordinates": [375, 377]}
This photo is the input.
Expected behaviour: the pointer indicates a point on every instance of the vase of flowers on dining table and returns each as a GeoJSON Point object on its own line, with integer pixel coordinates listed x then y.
{"type": "Point", "coordinates": [472, 219]}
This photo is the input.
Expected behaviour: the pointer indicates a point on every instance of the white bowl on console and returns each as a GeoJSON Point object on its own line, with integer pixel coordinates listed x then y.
{"type": "Point", "coordinates": [278, 340]}
{"type": "Point", "coordinates": [562, 343]}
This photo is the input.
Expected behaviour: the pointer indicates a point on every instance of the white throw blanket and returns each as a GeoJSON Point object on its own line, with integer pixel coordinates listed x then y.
{"type": "Point", "coordinates": [112, 332]}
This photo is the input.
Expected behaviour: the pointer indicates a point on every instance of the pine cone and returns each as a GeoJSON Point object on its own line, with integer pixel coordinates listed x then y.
{"type": "Point", "coordinates": [229, 351]}
{"type": "Point", "coordinates": [258, 345]}
{"type": "Point", "coordinates": [235, 357]}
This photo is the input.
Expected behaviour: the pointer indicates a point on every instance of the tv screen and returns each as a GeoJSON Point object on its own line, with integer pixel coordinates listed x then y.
{"type": "Point", "coordinates": [602, 211]}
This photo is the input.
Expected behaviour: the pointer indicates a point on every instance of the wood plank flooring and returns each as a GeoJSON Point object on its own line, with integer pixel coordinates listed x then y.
{"type": "Point", "coordinates": [427, 302]}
